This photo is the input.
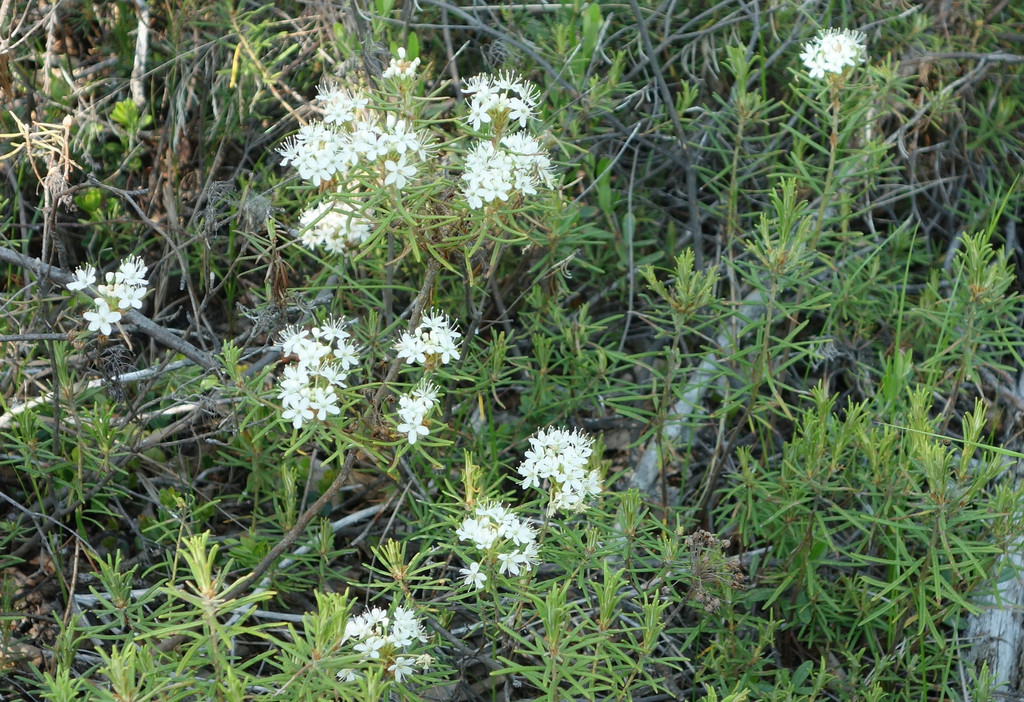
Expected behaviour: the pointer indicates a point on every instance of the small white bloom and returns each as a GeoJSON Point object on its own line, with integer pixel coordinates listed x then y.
{"type": "Point", "coordinates": [132, 272]}
{"type": "Point", "coordinates": [480, 530]}
{"type": "Point", "coordinates": [370, 647]}
{"type": "Point", "coordinates": [507, 566]}
{"type": "Point", "coordinates": [398, 172]}
{"type": "Point", "coordinates": [340, 106]}
{"type": "Point", "coordinates": [357, 628]}
{"type": "Point", "coordinates": [102, 317]}
{"type": "Point", "coordinates": [323, 402]}
{"type": "Point", "coordinates": [833, 51]}
{"type": "Point", "coordinates": [129, 296]}
{"type": "Point", "coordinates": [84, 277]}
{"type": "Point", "coordinates": [411, 421]}
{"type": "Point", "coordinates": [292, 339]}
{"type": "Point", "coordinates": [331, 330]}
{"type": "Point", "coordinates": [406, 628]}
{"type": "Point", "coordinates": [400, 67]}
{"type": "Point", "coordinates": [478, 114]}
{"type": "Point", "coordinates": [474, 576]}
{"type": "Point", "coordinates": [402, 667]}
{"type": "Point", "coordinates": [561, 457]}
{"type": "Point", "coordinates": [299, 412]}
{"type": "Point", "coordinates": [336, 226]}
{"type": "Point", "coordinates": [505, 95]}
{"type": "Point", "coordinates": [400, 138]}
{"type": "Point", "coordinates": [316, 152]}
{"type": "Point", "coordinates": [531, 164]}
{"type": "Point", "coordinates": [346, 354]}
{"type": "Point", "coordinates": [368, 140]}
{"type": "Point", "coordinates": [435, 338]}
{"type": "Point", "coordinates": [426, 395]}
{"type": "Point", "coordinates": [412, 348]}
{"type": "Point", "coordinates": [497, 531]}
{"type": "Point", "coordinates": [488, 175]}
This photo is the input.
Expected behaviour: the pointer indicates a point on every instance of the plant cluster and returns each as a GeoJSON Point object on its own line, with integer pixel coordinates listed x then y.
{"type": "Point", "coordinates": [548, 353]}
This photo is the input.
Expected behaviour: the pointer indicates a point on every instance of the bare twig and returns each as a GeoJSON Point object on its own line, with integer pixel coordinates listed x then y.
{"type": "Point", "coordinates": [141, 54]}
{"type": "Point", "coordinates": [144, 324]}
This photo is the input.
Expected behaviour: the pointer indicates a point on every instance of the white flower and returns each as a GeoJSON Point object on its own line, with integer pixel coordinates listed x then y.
{"type": "Point", "coordinates": [495, 529]}
{"type": "Point", "coordinates": [477, 530]}
{"type": "Point", "coordinates": [331, 330]}
{"type": "Point", "coordinates": [132, 273]}
{"type": "Point", "coordinates": [340, 106]}
{"type": "Point", "coordinates": [488, 175]}
{"type": "Point", "coordinates": [316, 152]}
{"type": "Point", "coordinates": [412, 429]}
{"type": "Point", "coordinates": [336, 226]}
{"type": "Point", "coordinates": [129, 296]}
{"type": "Point", "coordinates": [346, 675]}
{"type": "Point", "coordinates": [402, 667]}
{"type": "Point", "coordinates": [521, 533]}
{"type": "Point", "coordinates": [561, 457]}
{"type": "Point", "coordinates": [510, 563]}
{"type": "Point", "coordinates": [346, 353]}
{"type": "Point", "coordinates": [367, 141]}
{"type": "Point", "coordinates": [297, 411]}
{"type": "Point", "coordinates": [84, 277]}
{"type": "Point", "coordinates": [406, 628]}
{"type": "Point", "coordinates": [436, 338]}
{"type": "Point", "coordinates": [323, 402]}
{"type": "Point", "coordinates": [370, 647]}
{"type": "Point", "coordinates": [309, 351]}
{"type": "Point", "coordinates": [425, 394]}
{"type": "Point", "coordinates": [530, 162]}
{"type": "Point", "coordinates": [324, 355]}
{"type": "Point", "coordinates": [398, 172]}
{"type": "Point", "coordinates": [474, 576]}
{"type": "Point", "coordinates": [293, 339]}
{"type": "Point", "coordinates": [413, 409]}
{"type": "Point", "coordinates": [400, 138]}
{"type": "Point", "coordinates": [412, 348]}
{"type": "Point", "coordinates": [519, 111]}
{"type": "Point", "coordinates": [478, 114]}
{"type": "Point", "coordinates": [102, 317]}
{"type": "Point", "coordinates": [400, 67]}
{"type": "Point", "coordinates": [832, 51]}
{"type": "Point", "coordinates": [506, 96]}
{"type": "Point", "coordinates": [123, 289]}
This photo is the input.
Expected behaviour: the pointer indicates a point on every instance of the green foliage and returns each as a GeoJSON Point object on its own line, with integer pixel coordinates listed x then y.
{"type": "Point", "coordinates": [783, 311]}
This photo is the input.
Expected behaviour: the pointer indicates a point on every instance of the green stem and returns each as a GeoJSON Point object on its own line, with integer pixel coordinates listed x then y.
{"type": "Point", "coordinates": [833, 148]}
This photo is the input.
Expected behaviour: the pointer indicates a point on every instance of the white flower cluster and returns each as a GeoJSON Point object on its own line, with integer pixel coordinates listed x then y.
{"type": "Point", "coordinates": [121, 290]}
{"type": "Point", "coordinates": [354, 136]}
{"type": "Point", "coordinates": [336, 226]}
{"type": "Point", "coordinates": [832, 51]}
{"type": "Point", "coordinates": [499, 99]}
{"type": "Point", "coordinates": [517, 165]}
{"type": "Point", "coordinates": [401, 67]}
{"type": "Point", "coordinates": [381, 638]}
{"type": "Point", "coordinates": [434, 342]}
{"type": "Point", "coordinates": [413, 409]}
{"type": "Point", "coordinates": [308, 388]}
{"type": "Point", "coordinates": [560, 456]}
{"type": "Point", "coordinates": [353, 139]}
{"type": "Point", "coordinates": [512, 162]}
{"type": "Point", "coordinates": [504, 539]}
